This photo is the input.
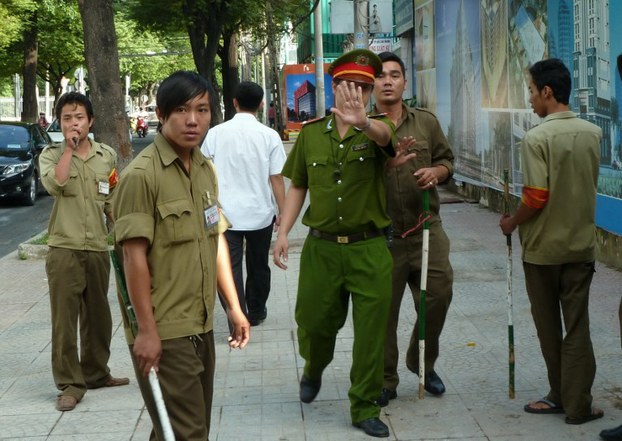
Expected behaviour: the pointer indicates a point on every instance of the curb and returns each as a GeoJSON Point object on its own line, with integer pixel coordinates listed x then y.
{"type": "Point", "coordinates": [27, 250]}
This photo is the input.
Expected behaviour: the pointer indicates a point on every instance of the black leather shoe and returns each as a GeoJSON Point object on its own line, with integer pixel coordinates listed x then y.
{"type": "Point", "coordinates": [385, 396]}
{"type": "Point", "coordinates": [255, 322]}
{"type": "Point", "coordinates": [434, 384]}
{"type": "Point", "coordinates": [373, 427]}
{"type": "Point", "coordinates": [612, 434]}
{"type": "Point", "coordinates": [309, 389]}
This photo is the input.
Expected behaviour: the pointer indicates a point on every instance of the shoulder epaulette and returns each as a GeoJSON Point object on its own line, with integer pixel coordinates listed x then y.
{"type": "Point", "coordinates": [423, 109]}
{"type": "Point", "coordinates": [311, 121]}
{"type": "Point", "coordinates": [378, 115]}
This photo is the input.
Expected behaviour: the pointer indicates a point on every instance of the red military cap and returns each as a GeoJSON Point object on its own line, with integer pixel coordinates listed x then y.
{"type": "Point", "coordinates": [359, 65]}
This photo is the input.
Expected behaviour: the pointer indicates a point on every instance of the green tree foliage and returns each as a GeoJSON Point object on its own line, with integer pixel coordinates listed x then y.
{"type": "Point", "coordinates": [209, 23]}
{"type": "Point", "coordinates": [11, 17]}
{"type": "Point", "coordinates": [147, 57]}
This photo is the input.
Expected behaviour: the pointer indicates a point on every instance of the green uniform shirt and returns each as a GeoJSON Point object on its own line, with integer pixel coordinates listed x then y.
{"type": "Point", "coordinates": [77, 220]}
{"type": "Point", "coordinates": [561, 155]}
{"type": "Point", "coordinates": [158, 200]}
{"type": "Point", "coordinates": [404, 197]}
{"type": "Point", "coordinates": [344, 178]}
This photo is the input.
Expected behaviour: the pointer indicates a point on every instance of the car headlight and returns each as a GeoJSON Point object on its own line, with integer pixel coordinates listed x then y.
{"type": "Point", "coordinates": [14, 169]}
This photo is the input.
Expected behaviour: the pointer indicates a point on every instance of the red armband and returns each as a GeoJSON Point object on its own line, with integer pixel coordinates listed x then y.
{"type": "Point", "coordinates": [535, 197]}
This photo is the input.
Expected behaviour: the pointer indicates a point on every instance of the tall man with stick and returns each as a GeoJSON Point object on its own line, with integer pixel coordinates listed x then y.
{"type": "Point", "coordinates": [560, 164]}
{"type": "Point", "coordinates": [429, 162]}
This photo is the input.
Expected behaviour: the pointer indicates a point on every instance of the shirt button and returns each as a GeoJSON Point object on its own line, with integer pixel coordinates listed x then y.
{"type": "Point", "coordinates": [338, 199]}
{"type": "Point", "coordinates": [314, 164]}
{"type": "Point", "coordinates": [339, 182]}
{"type": "Point", "coordinates": [340, 146]}
{"type": "Point", "coordinates": [340, 218]}
{"type": "Point", "coordinates": [361, 159]}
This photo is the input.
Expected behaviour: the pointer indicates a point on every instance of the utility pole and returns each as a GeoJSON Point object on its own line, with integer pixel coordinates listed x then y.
{"type": "Point", "coordinates": [361, 40]}
{"type": "Point", "coordinates": [320, 101]}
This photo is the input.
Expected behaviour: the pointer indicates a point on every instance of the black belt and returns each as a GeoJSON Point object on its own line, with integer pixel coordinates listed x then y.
{"type": "Point", "coordinates": [351, 238]}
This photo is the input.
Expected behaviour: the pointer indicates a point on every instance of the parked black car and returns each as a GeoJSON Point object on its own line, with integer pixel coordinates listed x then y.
{"type": "Point", "coordinates": [20, 146]}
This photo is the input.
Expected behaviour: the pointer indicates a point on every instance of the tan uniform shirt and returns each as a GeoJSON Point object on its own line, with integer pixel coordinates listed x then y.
{"type": "Point", "coordinates": [404, 197]}
{"type": "Point", "coordinates": [561, 155]}
{"type": "Point", "coordinates": [158, 200]}
{"type": "Point", "coordinates": [77, 220]}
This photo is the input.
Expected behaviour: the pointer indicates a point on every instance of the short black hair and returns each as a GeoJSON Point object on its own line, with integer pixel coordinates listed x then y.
{"type": "Point", "coordinates": [390, 56]}
{"type": "Point", "coordinates": [553, 73]}
{"type": "Point", "coordinates": [249, 95]}
{"type": "Point", "coordinates": [76, 98]}
{"type": "Point", "coordinates": [179, 88]}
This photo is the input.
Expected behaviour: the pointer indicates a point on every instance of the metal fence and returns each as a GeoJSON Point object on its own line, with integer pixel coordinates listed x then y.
{"type": "Point", "coordinates": [8, 112]}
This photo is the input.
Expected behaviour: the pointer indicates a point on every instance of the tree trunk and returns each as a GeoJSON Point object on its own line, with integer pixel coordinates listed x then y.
{"type": "Point", "coordinates": [30, 108]}
{"type": "Point", "coordinates": [229, 58]}
{"type": "Point", "coordinates": [274, 69]}
{"type": "Point", "coordinates": [204, 32]}
{"type": "Point", "coordinates": [102, 59]}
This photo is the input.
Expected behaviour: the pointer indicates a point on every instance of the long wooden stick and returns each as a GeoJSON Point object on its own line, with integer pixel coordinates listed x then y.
{"type": "Point", "coordinates": [423, 285]}
{"type": "Point", "coordinates": [511, 356]}
{"type": "Point", "coordinates": [128, 310]}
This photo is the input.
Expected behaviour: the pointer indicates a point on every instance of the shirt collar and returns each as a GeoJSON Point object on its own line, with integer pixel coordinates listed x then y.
{"type": "Point", "coordinates": [560, 115]}
{"type": "Point", "coordinates": [169, 156]}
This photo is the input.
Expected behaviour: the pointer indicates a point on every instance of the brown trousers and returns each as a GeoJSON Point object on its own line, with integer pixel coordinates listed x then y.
{"type": "Point", "coordinates": [78, 283]}
{"type": "Point", "coordinates": [186, 374]}
{"type": "Point", "coordinates": [439, 292]}
{"type": "Point", "coordinates": [556, 293]}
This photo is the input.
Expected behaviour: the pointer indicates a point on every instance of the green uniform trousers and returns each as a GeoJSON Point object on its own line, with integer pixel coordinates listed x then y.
{"type": "Point", "coordinates": [439, 292]}
{"type": "Point", "coordinates": [186, 374]}
{"type": "Point", "coordinates": [78, 283]}
{"type": "Point", "coordinates": [329, 274]}
{"type": "Point", "coordinates": [564, 290]}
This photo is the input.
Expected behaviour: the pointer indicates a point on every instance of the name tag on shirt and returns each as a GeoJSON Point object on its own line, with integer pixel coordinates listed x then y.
{"type": "Point", "coordinates": [103, 187]}
{"type": "Point", "coordinates": [211, 216]}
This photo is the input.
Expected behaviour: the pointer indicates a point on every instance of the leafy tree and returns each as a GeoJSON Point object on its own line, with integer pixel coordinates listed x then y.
{"type": "Point", "coordinates": [212, 27]}
{"type": "Point", "coordinates": [147, 57]}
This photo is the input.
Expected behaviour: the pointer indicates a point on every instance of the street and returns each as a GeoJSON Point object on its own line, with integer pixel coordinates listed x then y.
{"type": "Point", "coordinates": [19, 223]}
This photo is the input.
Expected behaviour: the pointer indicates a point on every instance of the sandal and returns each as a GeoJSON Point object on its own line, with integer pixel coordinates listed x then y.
{"type": "Point", "coordinates": [596, 414]}
{"type": "Point", "coordinates": [551, 407]}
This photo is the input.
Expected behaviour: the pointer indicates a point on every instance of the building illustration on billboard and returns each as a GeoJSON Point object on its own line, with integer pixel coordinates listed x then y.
{"type": "Point", "coordinates": [304, 102]}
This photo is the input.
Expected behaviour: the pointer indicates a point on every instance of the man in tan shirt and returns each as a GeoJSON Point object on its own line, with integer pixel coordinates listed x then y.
{"type": "Point", "coordinates": [81, 176]}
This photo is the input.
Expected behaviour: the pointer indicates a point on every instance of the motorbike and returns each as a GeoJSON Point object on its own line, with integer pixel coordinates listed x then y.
{"type": "Point", "coordinates": [142, 127]}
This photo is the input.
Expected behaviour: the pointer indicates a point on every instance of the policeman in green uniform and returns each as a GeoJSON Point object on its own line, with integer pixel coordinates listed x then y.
{"type": "Point", "coordinates": [339, 161]}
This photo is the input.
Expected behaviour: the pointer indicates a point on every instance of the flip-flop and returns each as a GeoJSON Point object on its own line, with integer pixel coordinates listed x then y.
{"type": "Point", "coordinates": [553, 408]}
{"type": "Point", "coordinates": [596, 414]}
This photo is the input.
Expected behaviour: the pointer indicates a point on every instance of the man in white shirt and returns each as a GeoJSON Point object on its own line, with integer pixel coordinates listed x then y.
{"type": "Point", "coordinates": [249, 157]}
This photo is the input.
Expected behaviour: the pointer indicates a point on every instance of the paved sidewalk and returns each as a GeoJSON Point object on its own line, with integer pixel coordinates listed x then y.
{"type": "Point", "coordinates": [256, 396]}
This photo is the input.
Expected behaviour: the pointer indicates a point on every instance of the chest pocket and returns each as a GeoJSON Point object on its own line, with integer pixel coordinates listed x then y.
{"type": "Point", "coordinates": [320, 172]}
{"type": "Point", "coordinates": [177, 221]}
{"type": "Point", "coordinates": [71, 186]}
{"type": "Point", "coordinates": [362, 163]}
{"type": "Point", "coordinates": [424, 157]}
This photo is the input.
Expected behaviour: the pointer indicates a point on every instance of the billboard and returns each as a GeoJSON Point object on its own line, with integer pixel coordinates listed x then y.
{"type": "Point", "coordinates": [471, 58]}
{"type": "Point", "coordinates": [300, 103]}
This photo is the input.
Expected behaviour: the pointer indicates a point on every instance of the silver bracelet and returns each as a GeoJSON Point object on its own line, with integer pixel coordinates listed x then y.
{"type": "Point", "coordinates": [367, 126]}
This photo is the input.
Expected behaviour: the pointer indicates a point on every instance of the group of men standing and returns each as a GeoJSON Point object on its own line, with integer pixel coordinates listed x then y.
{"type": "Point", "coordinates": [183, 234]}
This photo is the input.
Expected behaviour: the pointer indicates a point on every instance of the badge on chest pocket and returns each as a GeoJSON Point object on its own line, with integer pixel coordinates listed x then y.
{"type": "Point", "coordinates": [103, 187]}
